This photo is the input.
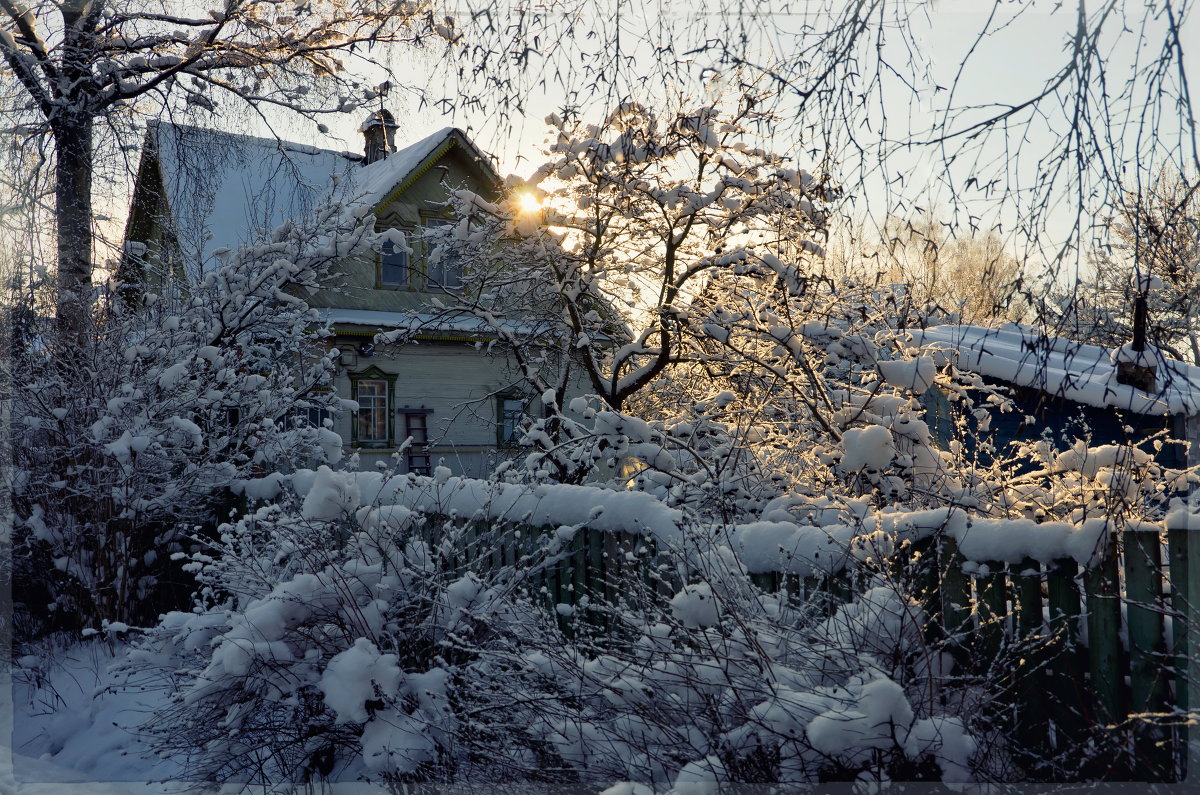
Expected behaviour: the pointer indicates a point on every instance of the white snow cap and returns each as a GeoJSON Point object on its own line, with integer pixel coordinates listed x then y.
{"type": "Point", "coordinates": [1026, 356]}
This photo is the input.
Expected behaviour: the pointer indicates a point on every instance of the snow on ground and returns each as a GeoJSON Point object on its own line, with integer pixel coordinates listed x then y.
{"type": "Point", "coordinates": [73, 731]}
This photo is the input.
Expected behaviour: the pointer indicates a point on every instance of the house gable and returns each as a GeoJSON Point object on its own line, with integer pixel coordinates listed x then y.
{"type": "Point", "coordinates": [407, 191]}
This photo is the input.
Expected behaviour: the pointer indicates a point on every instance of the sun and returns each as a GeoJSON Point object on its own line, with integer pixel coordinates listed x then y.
{"type": "Point", "coordinates": [528, 203]}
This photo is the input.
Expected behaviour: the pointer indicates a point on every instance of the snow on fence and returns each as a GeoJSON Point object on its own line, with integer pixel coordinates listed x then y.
{"type": "Point", "coordinates": [1080, 626]}
{"type": "Point", "coordinates": [1078, 637]}
{"type": "Point", "coordinates": [1099, 640]}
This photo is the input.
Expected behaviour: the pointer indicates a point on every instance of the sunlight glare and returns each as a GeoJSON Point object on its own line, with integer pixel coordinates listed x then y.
{"type": "Point", "coordinates": [528, 203]}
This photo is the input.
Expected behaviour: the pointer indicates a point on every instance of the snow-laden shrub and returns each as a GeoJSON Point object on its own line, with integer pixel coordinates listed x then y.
{"type": "Point", "coordinates": [360, 626]}
{"type": "Point", "coordinates": [128, 442]}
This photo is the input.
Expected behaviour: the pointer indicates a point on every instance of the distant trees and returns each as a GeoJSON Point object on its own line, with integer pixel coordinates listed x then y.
{"type": "Point", "coordinates": [975, 277]}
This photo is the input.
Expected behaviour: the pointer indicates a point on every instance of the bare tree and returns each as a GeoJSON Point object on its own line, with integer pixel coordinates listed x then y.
{"type": "Point", "coordinates": [976, 278]}
{"type": "Point", "coordinates": [1156, 234]}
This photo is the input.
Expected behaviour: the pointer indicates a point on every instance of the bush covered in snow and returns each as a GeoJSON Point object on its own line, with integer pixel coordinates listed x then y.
{"type": "Point", "coordinates": [127, 443]}
{"type": "Point", "coordinates": [359, 626]}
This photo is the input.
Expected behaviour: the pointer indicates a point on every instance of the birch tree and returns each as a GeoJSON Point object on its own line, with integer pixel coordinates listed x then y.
{"type": "Point", "coordinates": [75, 67]}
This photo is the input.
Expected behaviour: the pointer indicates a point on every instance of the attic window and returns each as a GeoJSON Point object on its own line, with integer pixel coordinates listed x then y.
{"type": "Point", "coordinates": [443, 266]}
{"type": "Point", "coordinates": [393, 265]}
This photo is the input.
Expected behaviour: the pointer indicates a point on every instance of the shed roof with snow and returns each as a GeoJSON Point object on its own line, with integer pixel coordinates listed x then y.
{"type": "Point", "coordinates": [1026, 356]}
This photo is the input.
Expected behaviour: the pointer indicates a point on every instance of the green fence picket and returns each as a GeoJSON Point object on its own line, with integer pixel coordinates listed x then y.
{"type": "Point", "coordinates": [1102, 584]}
{"type": "Point", "coordinates": [1184, 561]}
{"type": "Point", "coordinates": [1147, 656]}
{"type": "Point", "coordinates": [956, 599]}
{"type": "Point", "coordinates": [1068, 689]}
{"type": "Point", "coordinates": [1031, 676]}
{"type": "Point", "coordinates": [992, 594]}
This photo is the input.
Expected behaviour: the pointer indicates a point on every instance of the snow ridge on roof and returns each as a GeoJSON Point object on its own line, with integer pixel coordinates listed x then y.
{"type": "Point", "coordinates": [372, 183]}
{"type": "Point", "coordinates": [1026, 356]}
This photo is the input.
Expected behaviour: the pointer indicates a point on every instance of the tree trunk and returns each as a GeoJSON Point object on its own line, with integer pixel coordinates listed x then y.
{"type": "Point", "coordinates": [73, 205]}
{"type": "Point", "coordinates": [72, 123]}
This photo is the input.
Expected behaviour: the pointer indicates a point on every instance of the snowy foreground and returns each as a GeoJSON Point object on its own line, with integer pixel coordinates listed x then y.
{"type": "Point", "coordinates": [72, 733]}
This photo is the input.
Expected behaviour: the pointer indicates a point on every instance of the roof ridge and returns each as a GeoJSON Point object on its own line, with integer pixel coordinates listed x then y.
{"type": "Point", "coordinates": [276, 143]}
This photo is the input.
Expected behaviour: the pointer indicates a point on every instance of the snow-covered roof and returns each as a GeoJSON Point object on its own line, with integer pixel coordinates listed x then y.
{"type": "Point", "coordinates": [1026, 356]}
{"type": "Point", "coordinates": [372, 184]}
{"type": "Point", "coordinates": [225, 189]}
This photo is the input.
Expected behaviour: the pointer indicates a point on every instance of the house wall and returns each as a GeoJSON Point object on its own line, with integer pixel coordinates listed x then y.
{"type": "Point", "coordinates": [459, 386]}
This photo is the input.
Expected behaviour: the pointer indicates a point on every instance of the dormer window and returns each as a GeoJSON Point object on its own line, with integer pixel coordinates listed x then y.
{"type": "Point", "coordinates": [443, 266]}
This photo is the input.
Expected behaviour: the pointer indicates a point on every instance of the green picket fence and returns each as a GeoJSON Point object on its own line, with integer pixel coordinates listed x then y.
{"type": "Point", "coordinates": [1072, 650]}
{"type": "Point", "coordinates": [605, 567]}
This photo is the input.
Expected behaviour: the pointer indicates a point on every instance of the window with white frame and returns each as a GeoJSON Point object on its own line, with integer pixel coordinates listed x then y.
{"type": "Point", "coordinates": [443, 266]}
{"type": "Point", "coordinates": [510, 417]}
{"type": "Point", "coordinates": [371, 425]}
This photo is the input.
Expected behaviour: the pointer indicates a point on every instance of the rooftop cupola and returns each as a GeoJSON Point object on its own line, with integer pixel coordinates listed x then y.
{"type": "Point", "coordinates": [379, 132]}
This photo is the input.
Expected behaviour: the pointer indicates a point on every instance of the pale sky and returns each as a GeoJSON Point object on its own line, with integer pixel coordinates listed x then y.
{"type": "Point", "coordinates": [1009, 66]}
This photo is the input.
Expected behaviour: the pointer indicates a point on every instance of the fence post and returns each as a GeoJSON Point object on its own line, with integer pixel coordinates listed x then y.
{"type": "Point", "coordinates": [1102, 585]}
{"type": "Point", "coordinates": [956, 599]}
{"type": "Point", "coordinates": [1068, 689]}
{"type": "Point", "coordinates": [1185, 603]}
{"type": "Point", "coordinates": [1147, 657]}
{"type": "Point", "coordinates": [992, 592]}
{"type": "Point", "coordinates": [1031, 675]}
{"type": "Point", "coordinates": [613, 558]}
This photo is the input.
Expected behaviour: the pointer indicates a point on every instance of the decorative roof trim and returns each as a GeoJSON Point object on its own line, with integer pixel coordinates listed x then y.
{"type": "Point", "coordinates": [418, 172]}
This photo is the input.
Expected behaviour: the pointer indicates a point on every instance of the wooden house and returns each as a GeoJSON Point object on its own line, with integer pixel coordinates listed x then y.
{"type": "Point", "coordinates": [1073, 390]}
{"type": "Point", "coordinates": [199, 191]}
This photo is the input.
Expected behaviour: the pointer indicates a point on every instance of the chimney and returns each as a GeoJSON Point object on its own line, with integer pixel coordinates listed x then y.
{"type": "Point", "coordinates": [379, 132]}
{"type": "Point", "coordinates": [1136, 369]}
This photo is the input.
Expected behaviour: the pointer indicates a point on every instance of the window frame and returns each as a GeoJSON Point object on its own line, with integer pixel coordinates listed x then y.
{"type": "Point", "coordinates": [512, 439]}
{"type": "Point", "coordinates": [372, 374]}
{"type": "Point", "coordinates": [430, 220]}
{"type": "Point", "coordinates": [381, 281]}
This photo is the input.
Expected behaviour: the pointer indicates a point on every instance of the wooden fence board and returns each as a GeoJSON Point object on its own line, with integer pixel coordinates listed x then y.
{"type": "Point", "coordinates": [1068, 690]}
{"type": "Point", "coordinates": [1031, 679]}
{"type": "Point", "coordinates": [1102, 583]}
{"type": "Point", "coordinates": [1184, 562]}
{"type": "Point", "coordinates": [955, 590]}
{"type": "Point", "coordinates": [1147, 657]}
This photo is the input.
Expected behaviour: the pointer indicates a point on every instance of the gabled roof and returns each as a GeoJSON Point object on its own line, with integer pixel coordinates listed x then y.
{"type": "Point", "coordinates": [1026, 356]}
{"type": "Point", "coordinates": [380, 182]}
{"type": "Point", "coordinates": [226, 189]}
